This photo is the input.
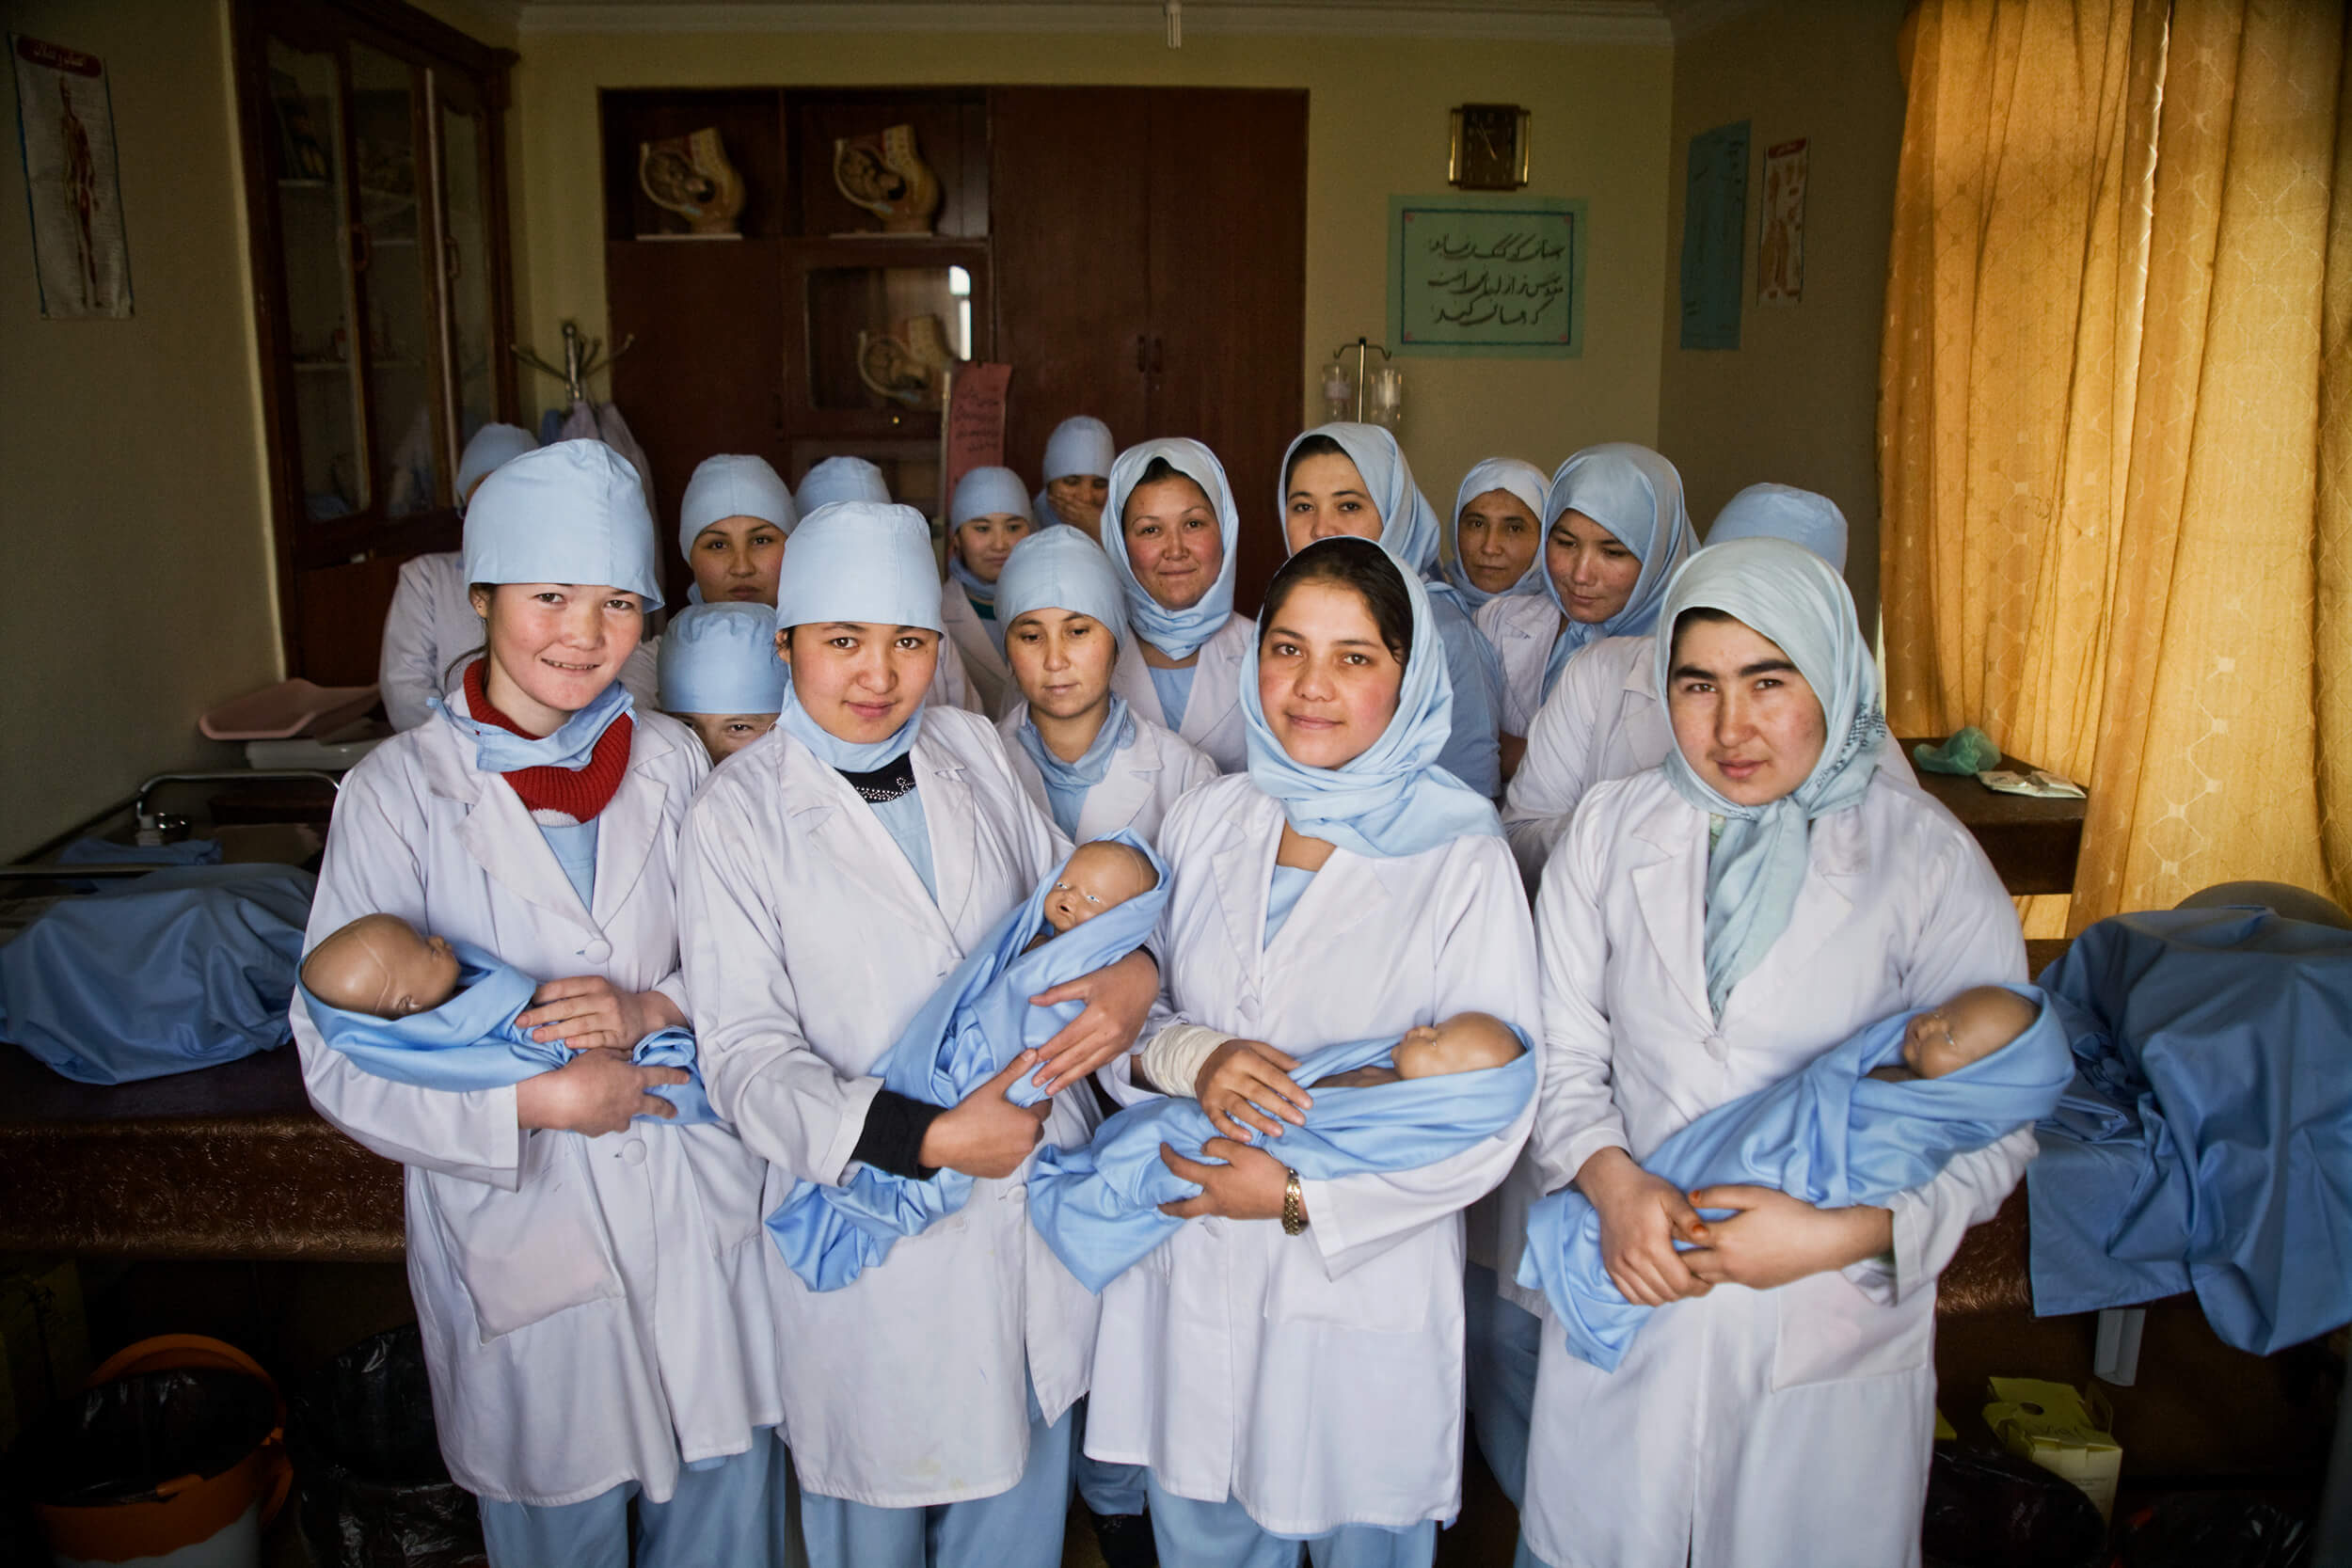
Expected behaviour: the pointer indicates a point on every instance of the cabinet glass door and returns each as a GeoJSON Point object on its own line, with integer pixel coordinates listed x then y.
{"type": "Point", "coordinates": [400, 354]}
{"type": "Point", "coordinates": [319, 238]}
{"type": "Point", "coordinates": [465, 259]}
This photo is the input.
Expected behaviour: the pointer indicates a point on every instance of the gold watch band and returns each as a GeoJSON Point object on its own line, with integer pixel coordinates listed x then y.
{"type": "Point", "coordinates": [1294, 1205]}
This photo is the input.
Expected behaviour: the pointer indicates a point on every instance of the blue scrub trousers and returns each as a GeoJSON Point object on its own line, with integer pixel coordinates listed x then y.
{"type": "Point", "coordinates": [729, 1512]}
{"type": "Point", "coordinates": [1019, 1528]}
{"type": "Point", "coordinates": [1503, 1341]}
{"type": "Point", "coordinates": [1106, 1488]}
{"type": "Point", "coordinates": [1192, 1534]}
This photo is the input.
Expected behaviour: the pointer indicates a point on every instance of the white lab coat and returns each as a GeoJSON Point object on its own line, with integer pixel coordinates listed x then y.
{"type": "Point", "coordinates": [984, 670]}
{"type": "Point", "coordinates": [1523, 628]}
{"type": "Point", "coordinates": [430, 626]}
{"type": "Point", "coordinates": [581, 1298]}
{"type": "Point", "coordinates": [1144, 780]}
{"type": "Point", "coordinates": [1746, 1427]}
{"type": "Point", "coordinates": [1213, 712]}
{"type": "Point", "coordinates": [810, 943]}
{"type": "Point", "coordinates": [1318, 1378]}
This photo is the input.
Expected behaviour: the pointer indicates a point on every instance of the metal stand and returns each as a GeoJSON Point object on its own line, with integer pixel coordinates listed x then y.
{"type": "Point", "coordinates": [581, 360]}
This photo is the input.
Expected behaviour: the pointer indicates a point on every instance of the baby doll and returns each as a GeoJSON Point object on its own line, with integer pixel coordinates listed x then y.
{"type": "Point", "coordinates": [1464, 1043]}
{"type": "Point", "coordinates": [1968, 1028]}
{"type": "Point", "coordinates": [382, 966]}
{"type": "Point", "coordinates": [1098, 875]}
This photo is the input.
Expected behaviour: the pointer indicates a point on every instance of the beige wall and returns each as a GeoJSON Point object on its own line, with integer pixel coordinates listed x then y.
{"type": "Point", "coordinates": [1797, 402]}
{"type": "Point", "coordinates": [1376, 126]}
{"type": "Point", "coordinates": [134, 534]}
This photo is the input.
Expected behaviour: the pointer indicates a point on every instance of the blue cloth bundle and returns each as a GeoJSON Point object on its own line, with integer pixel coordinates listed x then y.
{"type": "Point", "coordinates": [470, 1041]}
{"type": "Point", "coordinates": [1825, 1133]}
{"type": "Point", "coordinates": [1098, 1205]}
{"type": "Point", "coordinates": [2206, 1140]}
{"type": "Point", "coordinates": [980, 1019]}
{"type": "Point", "coordinates": [168, 973]}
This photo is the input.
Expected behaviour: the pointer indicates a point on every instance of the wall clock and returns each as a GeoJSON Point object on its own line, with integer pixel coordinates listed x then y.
{"type": "Point", "coordinates": [1487, 150]}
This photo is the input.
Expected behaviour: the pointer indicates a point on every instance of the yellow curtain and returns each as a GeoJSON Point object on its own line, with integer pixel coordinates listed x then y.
{"type": "Point", "coordinates": [2114, 425]}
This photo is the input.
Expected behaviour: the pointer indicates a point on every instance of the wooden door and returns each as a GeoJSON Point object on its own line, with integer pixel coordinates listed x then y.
{"type": "Point", "coordinates": [705, 375]}
{"type": "Point", "coordinates": [1229, 293]}
{"type": "Point", "coordinates": [1069, 216]}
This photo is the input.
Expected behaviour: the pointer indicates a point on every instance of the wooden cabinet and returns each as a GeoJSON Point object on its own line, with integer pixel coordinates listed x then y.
{"type": "Point", "coordinates": [1152, 259]}
{"type": "Point", "coordinates": [377, 210]}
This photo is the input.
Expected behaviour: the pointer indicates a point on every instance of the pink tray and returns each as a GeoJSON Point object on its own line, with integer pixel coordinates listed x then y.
{"type": "Point", "coordinates": [285, 711]}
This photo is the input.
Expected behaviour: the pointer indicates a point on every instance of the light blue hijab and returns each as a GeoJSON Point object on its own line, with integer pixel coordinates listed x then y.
{"type": "Point", "coordinates": [1784, 511]}
{"type": "Point", "coordinates": [1637, 495]}
{"type": "Point", "coordinates": [1176, 633]}
{"type": "Point", "coordinates": [1391, 800]}
{"type": "Point", "coordinates": [1061, 569]}
{"type": "Point", "coordinates": [1788, 593]}
{"type": "Point", "coordinates": [862, 562]}
{"type": "Point", "coordinates": [1522, 480]}
{"type": "Point", "coordinates": [1408, 527]}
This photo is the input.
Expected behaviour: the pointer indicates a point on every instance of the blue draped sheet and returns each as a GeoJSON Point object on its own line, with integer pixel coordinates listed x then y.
{"type": "Point", "coordinates": [2206, 1140]}
{"type": "Point", "coordinates": [1825, 1133]}
{"type": "Point", "coordinates": [470, 1041]}
{"type": "Point", "coordinates": [1098, 1205]}
{"type": "Point", "coordinates": [980, 1019]}
{"type": "Point", "coordinates": [164, 974]}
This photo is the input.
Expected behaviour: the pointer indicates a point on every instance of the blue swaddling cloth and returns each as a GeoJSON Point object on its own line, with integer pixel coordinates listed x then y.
{"type": "Point", "coordinates": [470, 1041]}
{"type": "Point", "coordinates": [2205, 1142]}
{"type": "Point", "coordinates": [168, 973]}
{"type": "Point", "coordinates": [1098, 1205]}
{"type": "Point", "coordinates": [1825, 1133]}
{"type": "Point", "coordinates": [980, 1019]}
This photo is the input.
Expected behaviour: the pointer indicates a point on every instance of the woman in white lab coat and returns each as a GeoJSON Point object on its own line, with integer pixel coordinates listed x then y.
{"type": "Point", "coordinates": [1173, 538]}
{"type": "Point", "coordinates": [1352, 481]}
{"type": "Point", "coordinates": [590, 1287]}
{"type": "Point", "coordinates": [1088, 759]}
{"type": "Point", "coordinates": [1778, 1405]}
{"type": "Point", "coordinates": [1615, 530]}
{"type": "Point", "coordinates": [1289, 1366]}
{"type": "Point", "coordinates": [834, 872]}
{"type": "Point", "coordinates": [987, 516]}
{"type": "Point", "coordinates": [432, 624]}
{"type": "Point", "coordinates": [1495, 542]}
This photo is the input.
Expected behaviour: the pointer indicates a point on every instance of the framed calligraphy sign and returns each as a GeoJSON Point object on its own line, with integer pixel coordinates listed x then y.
{"type": "Point", "coordinates": [1501, 277]}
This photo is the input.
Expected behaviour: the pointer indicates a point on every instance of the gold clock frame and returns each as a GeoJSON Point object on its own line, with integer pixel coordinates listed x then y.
{"type": "Point", "coordinates": [1470, 169]}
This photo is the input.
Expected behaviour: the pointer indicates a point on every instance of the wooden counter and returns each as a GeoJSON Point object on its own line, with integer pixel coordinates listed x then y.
{"type": "Point", "coordinates": [2032, 843]}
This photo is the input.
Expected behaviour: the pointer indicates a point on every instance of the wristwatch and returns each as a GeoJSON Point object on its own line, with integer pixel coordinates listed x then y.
{"type": "Point", "coordinates": [1294, 1205]}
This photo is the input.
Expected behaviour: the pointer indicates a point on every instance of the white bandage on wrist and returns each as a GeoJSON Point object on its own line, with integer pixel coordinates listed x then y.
{"type": "Point", "coordinates": [1171, 1058]}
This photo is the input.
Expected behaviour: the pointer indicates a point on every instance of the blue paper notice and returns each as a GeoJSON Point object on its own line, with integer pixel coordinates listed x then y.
{"type": "Point", "coordinates": [1714, 234]}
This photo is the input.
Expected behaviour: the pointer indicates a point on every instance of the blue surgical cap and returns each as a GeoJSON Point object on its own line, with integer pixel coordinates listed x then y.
{"type": "Point", "coordinates": [1784, 511]}
{"type": "Point", "coordinates": [574, 512]}
{"type": "Point", "coordinates": [862, 562]}
{"type": "Point", "coordinates": [722, 659]}
{"type": "Point", "coordinates": [1079, 445]}
{"type": "Point", "coordinates": [1060, 568]}
{"type": "Point", "coordinates": [492, 446]}
{"type": "Point", "coordinates": [984, 492]}
{"type": "Point", "coordinates": [731, 487]}
{"type": "Point", "coordinates": [841, 479]}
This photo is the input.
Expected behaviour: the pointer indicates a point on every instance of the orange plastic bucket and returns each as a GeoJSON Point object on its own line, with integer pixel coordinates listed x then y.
{"type": "Point", "coordinates": [175, 1516]}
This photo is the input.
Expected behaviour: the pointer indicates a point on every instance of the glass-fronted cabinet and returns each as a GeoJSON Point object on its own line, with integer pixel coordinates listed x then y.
{"type": "Point", "coordinates": [374, 180]}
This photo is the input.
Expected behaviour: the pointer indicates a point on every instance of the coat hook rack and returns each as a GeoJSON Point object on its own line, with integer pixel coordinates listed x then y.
{"type": "Point", "coordinates": [581, 360]}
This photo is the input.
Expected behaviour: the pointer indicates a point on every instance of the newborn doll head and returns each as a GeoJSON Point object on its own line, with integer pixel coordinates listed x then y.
{"type": "Point", "coordinates": [1098, 876]}
{"type": "Point", "coordinates": [1463, 1044]}
{"type": "Point", "coordinates": [379, 965]}
{"type": "Point", "coordinates": [1969, 1027]}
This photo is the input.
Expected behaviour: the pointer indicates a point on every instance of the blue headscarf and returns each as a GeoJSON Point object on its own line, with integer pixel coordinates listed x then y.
{"type": "Point", "coordinates": [488, 449]}
{"type": "Point", "coordinates": [860, 562]}
{"type": "Point", "coordinates": [1061, 569]}
{"type": "Point", "coordinates": [1637, 495]}
{"type": "Point", "coordinates": [1784, 511]}
{"type": "Point", "coordinates": [1390, 800]}
{"type": "Point", "coordinates": [722, 659]}
{"type": "Point", "coordinates": [1176, 633]}
{"type": "Point", "coordinates": [982, 492]}
{"type": "Point", "coordinates": [1408, 529]}
{"type": "Point", "coordinates": [841, 479]}
{"type": "Point", "coordinates": [1788, 593]}
{"type": "Point", "coordinates": [1526, 482]}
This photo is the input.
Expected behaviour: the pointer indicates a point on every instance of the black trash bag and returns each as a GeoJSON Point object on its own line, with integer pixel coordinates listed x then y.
{"type": "Point", "coordinates": [119, 1441]}
{"type": "Point", "coordinates": [1992, 1509]}
{"type": "Point", "coordinates": [2214, 1529]}
{"type": "Point", "coordinates": [368, 1467]}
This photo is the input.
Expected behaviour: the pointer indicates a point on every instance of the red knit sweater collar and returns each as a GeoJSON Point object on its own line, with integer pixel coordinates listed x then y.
{"type": "Point", "coordinates": [580, 794]}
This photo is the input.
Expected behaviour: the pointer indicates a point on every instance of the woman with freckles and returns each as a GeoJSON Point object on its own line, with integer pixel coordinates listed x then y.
{"type": "Point", "coordinates": [1290, 1369]}
{"type": "Point", "coordinates": [1707, 928]}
